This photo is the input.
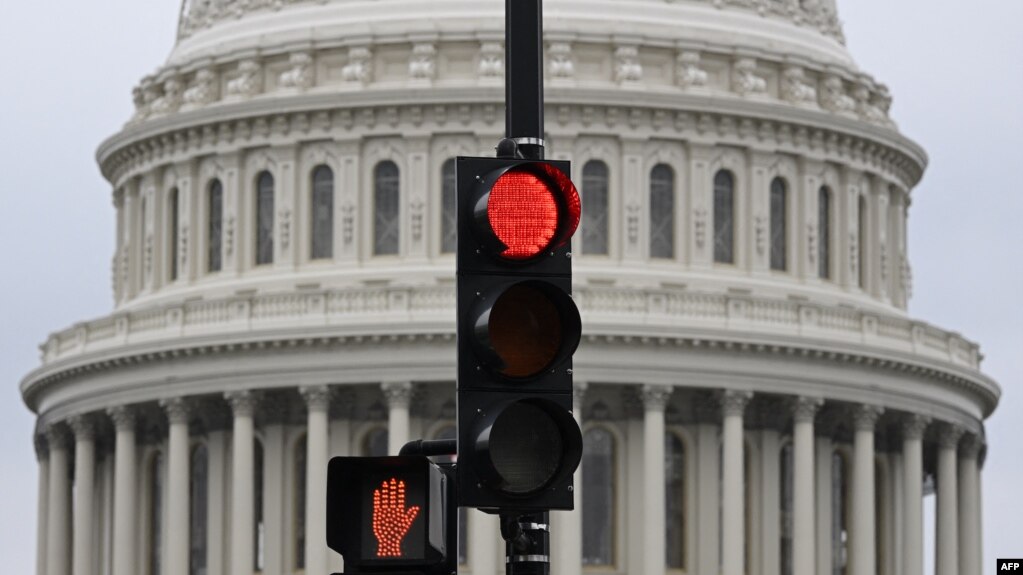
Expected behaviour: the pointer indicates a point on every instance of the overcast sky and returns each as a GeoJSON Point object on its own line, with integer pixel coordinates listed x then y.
{"type": "Point", "coordinates": [955, 68]}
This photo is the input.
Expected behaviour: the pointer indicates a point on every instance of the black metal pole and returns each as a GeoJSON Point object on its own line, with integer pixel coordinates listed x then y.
{"type": "Point", "coordinates": [527, 543]}
{"type": "Point", "coordinates": [523, 79]}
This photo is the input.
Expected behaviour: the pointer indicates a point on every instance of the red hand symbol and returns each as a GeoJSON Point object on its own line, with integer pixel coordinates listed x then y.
{"type": "Point", "coordinates": [391, 521]}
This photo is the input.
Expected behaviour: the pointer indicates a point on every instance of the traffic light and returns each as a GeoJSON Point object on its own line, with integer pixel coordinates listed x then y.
{"type": "Point", "coordinates": [518, 327]}
{"type": "Point", "coordinates": [392, 515]}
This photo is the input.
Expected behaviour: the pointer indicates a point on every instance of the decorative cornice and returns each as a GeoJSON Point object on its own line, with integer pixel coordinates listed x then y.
{"type": "Point", "coordinates": [865, 416]}
{"type": "Point", "coordinates": [655, 397]}
{"type": "Point", "coordinates": [397, 393]}
{"type": "Point", "coordinates": [804, 409]}
{"type": "Point", "coordinates": [317, 398]}
{"type": "Point", "coordinates": [243, 403]}
{"type": "Point", "coordinates": [914, 426]}
{"type": "Point", "coordinates": [733, 402]}
{"type": "Point", "coordinates": [177, 408]}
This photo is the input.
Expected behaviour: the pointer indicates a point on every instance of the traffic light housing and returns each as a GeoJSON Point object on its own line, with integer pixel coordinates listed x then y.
{"type": "Point", "coordinates": [518, 327]}
{"type": "Point", "coordinates": [392, 515]}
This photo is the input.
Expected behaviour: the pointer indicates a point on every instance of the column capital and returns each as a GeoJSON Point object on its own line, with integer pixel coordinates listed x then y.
{"type": "Point", "coordinates": [655, 397]}
{"type": "Point", "coordinates": [57, 436]}
{"type": "Point", "coordinates": [865, 416]}
{"type": "Point", "coordinates": [41, 446]}
{"type": "Point", "coordinates": [83, 426]}
{"type": "Point", "coordinates": [970, 446]}
{"type": "Point", "coordinates": [949, 434]}
{"type": "Point", "coordinates": [397, 393]}
{"type": "Point", "coordinates": [734, 402]}
{"type": "Point", "coordinates": [177, 409]}
{"type": "Point", "coordinates": [804, 409]}
{"type": "Point", "coordinates": [123, 417]}
{"type": "Point", "coordinates": [914, 426]}
{"type": "Point", "coordinates": [317, 397]}
{"type": "Point", "coordinates": [243, 403]}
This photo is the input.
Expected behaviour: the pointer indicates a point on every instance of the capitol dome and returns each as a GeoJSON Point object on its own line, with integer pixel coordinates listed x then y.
{"type": "Point", "coordinates": [754, 397]}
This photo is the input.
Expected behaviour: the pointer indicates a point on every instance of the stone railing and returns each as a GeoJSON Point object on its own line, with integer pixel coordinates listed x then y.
{"type": "Point", "coordinates": [200, 15]}
{"type": "Point", "coordinates": [607, 311]}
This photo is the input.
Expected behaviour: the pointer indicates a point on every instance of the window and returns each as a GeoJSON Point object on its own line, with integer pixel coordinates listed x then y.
{"type": "Point", "coordinates": [198, 493]}
{"type": "Point", "coordinates": [298, 505]}
{"type": "Point", "coordinates": [839, 515]}
{"type": "Point", "coordinates": [155, 527]}
{"type": "Point", "coordinates": [662, 212]}
{"type": "Point", "coordinates": [450, 432]}
{"type": "Point", "coordinates": [675, 501]}
{"type": "Point", "coordinates": [786, 508]}
{"type": "Point", "coordinates": [264, 218]}
{"type": "Point", "coordinates": [214, 226]}
{"type": "Point", "coordinates": [594, 199]}
{"type": "Point", "coordinates": [386, 180]}
{"type": "Point", "coordinates": [375, 443]}
{"type": "Point", "coordinates": [322, 214]}
{"type": "Point", "coordinates": [598, 512]}
{"type": "Point", "coordinates": [779, 208]}
{"type": "Point", "coordinates": [172, 243]}
{"type": "Point", "coordinates": [824, 241]}
{"type": "Point", "coordinates": [448, 223]}
{"type": "Point", "coordinates": [862, 238]}
{"type": "Point", "coordinates": [259, 532]}
{"type": "Point", "coordinates": [724, 217]}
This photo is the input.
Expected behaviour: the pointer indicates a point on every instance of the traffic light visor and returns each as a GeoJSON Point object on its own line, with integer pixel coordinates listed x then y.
{"type": "Point", "coordinates": [531, 208]}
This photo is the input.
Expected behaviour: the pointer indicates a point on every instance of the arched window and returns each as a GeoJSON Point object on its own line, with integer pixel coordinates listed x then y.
{"type": "Point", "coordinates": [724, 217]}
{"type": "Point", "coordinates": [662, 212]}
{"type": "Point", "coordinates": [598, 513]}
{"type": "Point", "coordinates": [322, 214]}
{"type": "Point", "coordinates": [259, 532]}
{"type": "Point", "coordinates": [450, 432]}
{"type": "Point", "coordinates": [675, 500]}
{"type": "Point", "coordinates": [594, 200]}
{"type": "Point", "coordinates": [199, 509]}
{"type": "Point", "coordinates": [386, 223]}
{"type": "Point", "coordinates": [264, 218]}
{"type": "Point", "coordinates": [374, 444]}
{"type": "Point", "coordinates": [786, 508]}
{"type": "Point", "coordinates": [298, 504]}
{"type": "Point", "coordinates": [448, 223]}
{"type": "Point", "coordinates": [214, 226]}
{"type": "Point", "coordinates": [839, 514]}
{"type": "Point", "coordinates": [824, 225]}
{"type": "Point", "coordinates": [172, 239]}
{"type": "Point", "coordinates": [779, 228]}
{"type": "Point", "coordinates": [862, 238]}
{"type": "Point", "coordinates": [154, 558]}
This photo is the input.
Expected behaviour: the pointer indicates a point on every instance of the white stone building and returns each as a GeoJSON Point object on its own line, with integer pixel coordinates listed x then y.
{"type": "Point", "coordinates": [754, 398]}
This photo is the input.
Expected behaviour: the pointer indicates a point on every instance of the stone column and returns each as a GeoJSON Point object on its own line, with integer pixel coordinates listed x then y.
{"type": "Point", "coordinates": [733, 497]}
{"type": "Point", "coordinates": [243, 406]}
{"type": "Point", "coordinates": [947, 520]}
{"type": "Point", "coordinates": [85, 485]}
{"type": "Point", "coordinates": [969, 506]}
{"type": "Point", "coordinates": [317, 452]}
{"type": "Point", "coordinates": [825, 450]}
{"type": "Point", "coordinates": [862, 543]}
{"type": "Point", "coordinates": [178, 505]}
{"type": "Point", "coordinates": [217, 516]}
{"type": "Point", "coordinates": [804, 410]}
{"type": "Point", "coordinates": [58, 523]}
{"type": "Point", "coordinates": [913, 514]}
{"type": "Point", "coordinates": [42, 507]}
{"type": "Point", "coordinates": [399, 395]}
{"type": "Point", "coordinates": [655, 398]}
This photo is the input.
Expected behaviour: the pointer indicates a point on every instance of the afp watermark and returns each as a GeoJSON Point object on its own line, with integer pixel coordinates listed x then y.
{"type": "Point", "coordinates": [1010, 565]}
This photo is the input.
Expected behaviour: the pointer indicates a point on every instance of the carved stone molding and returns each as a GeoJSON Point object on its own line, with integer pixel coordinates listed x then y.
{"type": "Point", "coordinates": [491, 60]}
{"type": "Point", "coordinates": [804, 409]}
{"type": "Point", "coordinates": [688, 72]}
{"type": "Point", "coordinates": [627, 66]}
{"type": "Point", "coordinates": [423, 63]}
{"type": "Point", "coordinates": [299, 75]}
{"type": "Point", "coordinates": [733, 402]}
{"type": "Point", "coordinates": [865, 416]}
{"type": "Point", "coordinates": [562, 63]}
{"type": "Point", "coordinates": [317, 398]}
{"type": "Point", "coordinates": [655, 397]}
{"type": "Point", "coordinates": [745, 81]}
{"type": "Point", "coordinates": [359, 68]}
{"type": "Point", "coordinates": [397, 393]}
{"type": "Point", "coordinates": [243, 403]}
{"type": "Point", "coordinates": [914, 426]}
{"type": "Point", "coordinates": [177, 408]}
